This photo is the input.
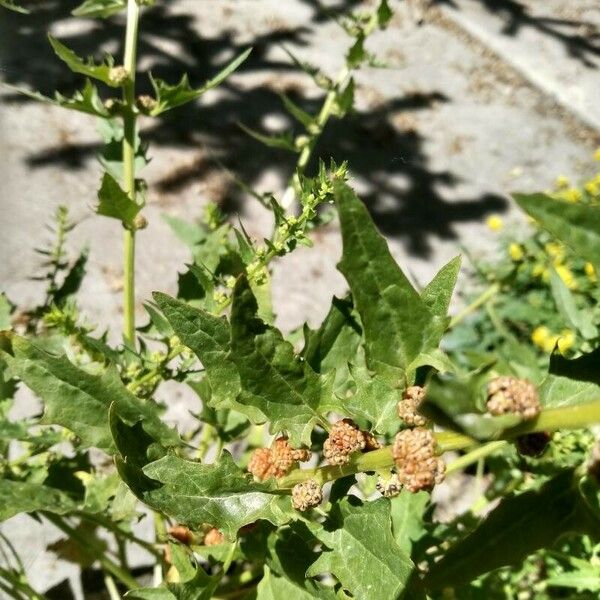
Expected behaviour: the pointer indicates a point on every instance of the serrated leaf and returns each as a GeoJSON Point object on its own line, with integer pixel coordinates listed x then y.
{"type": "Point", "coordinates": [73, 279]}
{"type": "Point", "coordinates": [408, 513]}
{"type": "Point", "coordinates": [115, 203]}
{"type": "Point", "coordinates": [171, 96]}
{"type": "Point", "coordinates": [285, 141]}
{"type": "Point", "coordinates": [88, 68]}
{"type": "Point", "coordinates": [374, 400]}
{"type": "Point", "coordinates": [208, 337]}
{"type": "Point", "coordinates": [193, 493]}
{"type": "Point", "coordinates": [11, 5]}
{"type": "Point", "coordinates": [21, 496]}
{"type": "Point", "coordinates": [274, 381]}
{"type": "Point", "coordinates": [298, 113]}
{"type": "Point", "coordinates": [575, 224]}
{"type": "Point", "coordinates": [438, 292]}
{"type": "Point", "coordinates": [515, 529]}
{"type": "Point", "coordinates": [577, 319]}
{"type": "Point", "coordinates": [87, 100]}
{"type": "Point", "coordinates": [398, 326]}
{"type": "Point", "coordinates": [99, 8]}
{"type": "Point", "coordinates": [361, 551]}
{"type": "Point", "coordinates": [78, 400]}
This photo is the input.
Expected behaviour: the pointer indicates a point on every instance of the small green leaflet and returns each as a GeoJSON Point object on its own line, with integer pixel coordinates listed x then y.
{"type": "Point", "coordinates": [115, 203]}
{"type": "Point", "coordinates": [88, 68]}
{"type": "Point", "coordinates": [515, 529]}
{"type": "Point", "coordinates": [80, 401]}
{"type": "Point", "coordinates": [284, 141]}
{"type": "Point", "coordinates": [575, 224]}
{"type": "Point", "coordinates": [193, 493]}
{"type": "Point", "coordinates": [361, 551]}
{"type": "Point", "coordinates": [408, 512]}
{"type": "Point", "coordinates": [99, 8]}
{"type": "Point", "coordinates": [171, 96]}
{"type": "Point", "coordinates": [87, 100]}
{"type": "Point", "coordinates": [21, 496]}
{"type": "Point", "coordinates": [401, 324]}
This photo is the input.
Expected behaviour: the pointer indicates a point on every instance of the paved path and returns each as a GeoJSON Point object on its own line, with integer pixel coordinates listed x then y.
{"type": "Point", "coordinates": [438, 141]}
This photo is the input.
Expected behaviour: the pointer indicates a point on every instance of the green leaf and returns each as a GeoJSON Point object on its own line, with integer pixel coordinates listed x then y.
{"type": "Point", "coordinates": [11, 5]}
{"type": "Point", "coordinates": [208, 337]}
{"type": "Point", "coordinates": [580, 580]}
{"type": "Point", "coordinates": [6, 309]}
{"type": "Point", "coordinates": [408, 513]}
{"type": "Point", "coordinates": [515, 529]}
{"type": "Point", "coordinates": [357, 53]}
{"type": "Point", "coordinates": [345, 99]}
{"type": "Point", "coordinates": [87, 100]}
{"type": "Point", "coordinates": [399, 325]}
{"type": "Point", "coordinates": [575, 224]}
{"type": "Point", "coordinates": [72, 281]}
{"type": "Point", "coordinates": [274, 381]}
{"type": "Point", "coordinates": [285, 141]}
{"type": "Point", "coordinates": [171, 96]}
{"type": "Point", "coordinates": [361, 551]}
{"type": "Point", "coordinates": [115, 203]}
{"type": "Point", "coordinates": [374, 400]}
{"type": "Point", "coordinates": [99, 8]}
{"type": "Point", "coordinates": [275, 587]}
{"type": "Point", "coordinates": [384, 14]}
{"type": "Point", "coordinates": [80, 401]}
{"type": "Point", "coordinates": [21, 496]}
{"type": "Point", "coordinates": [577, 319]}
{"type": "Point", "coordinates": [299, 114]}
{"type": "Point", "coordinates": [88, 68]}
{"type": "Point", "coordinates": [438, 292]}
{"type": "Point", "coordinates": [193, 493]}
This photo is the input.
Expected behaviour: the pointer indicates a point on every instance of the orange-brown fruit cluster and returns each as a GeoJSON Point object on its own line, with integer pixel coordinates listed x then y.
{"type": "Point", "coordinates": [213, 537]}
{"type": "Point", "coordinates": [182, 534]}
{"type": "Point", "coordinates": [306, 494]}
{"type": "Point", "coordinates": [276, 461]}
{"type": "Point", "coordinates": [408, 407]}
{"type": "Point", "coordinates": [344, 439]}
{"type": "Point", "coordinates": [417, 465]}
{"type": "Point", "coordinates": [508, 395]}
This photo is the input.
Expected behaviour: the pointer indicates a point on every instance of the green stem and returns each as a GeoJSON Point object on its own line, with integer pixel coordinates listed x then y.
{"type": "Point", "coordinates": [19, 587]}
{"type": "Point", "coordinates": [129, 126]}
{"type": "Point", "coordinates": [111, 588]}
{"type": "Point", "coordinates": [322, 118]}
{"type": "Point", "coordinates": [569, 417]}
{"type": "Point", "coordinates": [86, 543]}
{"type": "Point", "coordinates": [479, 301]}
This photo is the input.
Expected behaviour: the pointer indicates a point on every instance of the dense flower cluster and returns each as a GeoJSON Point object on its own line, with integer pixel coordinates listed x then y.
{"type": "Point", "coordinates": [508, 395]}
{"type": "Point", "coordinates": [306, 494]}
{"type": "Point", "coordinates": [344, 439]}
{"type": "Point", "coordinates": [417, 465]}
{"type": "Point", "coordinates": [276, 461]}
{"type": "Point", "coordinates": [409, 405]}
{"type": "Point", "coordinates": [390, 486]}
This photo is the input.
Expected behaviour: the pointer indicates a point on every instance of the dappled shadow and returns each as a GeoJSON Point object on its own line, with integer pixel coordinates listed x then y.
{"type": "Point", "coordinates": [385, 154]}
{"type": "Point", "coordinates": [580, 38]}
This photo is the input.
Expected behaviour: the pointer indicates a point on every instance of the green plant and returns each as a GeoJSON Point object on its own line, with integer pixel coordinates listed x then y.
{"type": "Point", "coordinates": [235, 516]}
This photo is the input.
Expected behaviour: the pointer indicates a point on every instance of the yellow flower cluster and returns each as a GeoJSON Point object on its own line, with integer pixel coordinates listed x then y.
{"type": "Point", "coordinates": [494, 222]}
{"type": "Point", "coordinates": [544, 339]}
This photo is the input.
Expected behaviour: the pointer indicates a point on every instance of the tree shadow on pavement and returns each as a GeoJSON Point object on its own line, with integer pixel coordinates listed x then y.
{"type": "Point", "coordinates": [402, 191]}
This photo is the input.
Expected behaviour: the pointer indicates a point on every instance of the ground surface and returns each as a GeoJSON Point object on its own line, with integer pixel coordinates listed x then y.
{"type": "Point", "coordinates": [484, 98]}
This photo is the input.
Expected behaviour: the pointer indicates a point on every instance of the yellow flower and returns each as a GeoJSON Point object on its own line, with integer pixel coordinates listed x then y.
{"type": "Point", "coordinates": [597, 154]}
{"type": "Point", "coordinates": [538, 270]}
{"type": "Point", "coordinates": [592, 188]}
{"type": "Point", "coordinates": [494, 222]}
{"type": "Point", "coordinates": [515, 251]}
{"type": "Point", "coordinates": [555, 251]}
{"type": "Point", "coordinates": [567, 276]}
{"type": "Point", "coordinates": [540, 335]}
{"type": "Point", "coordinates": [590, 271]}
{"type": "Point", "coordinates": [561, 182]}
{"type": "Point", "coordinates": [551, 343]}
{"type": "Point", "coordinates": [572, 195]}
{"type": "Point", "coordinates": [566, 341]}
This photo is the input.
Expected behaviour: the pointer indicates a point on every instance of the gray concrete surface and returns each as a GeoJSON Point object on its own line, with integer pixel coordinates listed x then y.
{"type": "Point", "coordinates": [438, 141]}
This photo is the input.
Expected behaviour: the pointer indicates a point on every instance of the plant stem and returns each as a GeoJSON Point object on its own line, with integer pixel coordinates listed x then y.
{"type": "Point", "coordinates": [479, 301]}
{"type": "Point", "coordinates": [293, 188]}
{"type": "Point", "coordinates": [111, 588]}
{"type": "Point", "coordinates": [566, 417]}
{"type": "Point", "coordinates": [129, 126]}
{"type": "Point", "coordinates": [19, 587]}
{"type": "Point", "coordinates": [107, 564]}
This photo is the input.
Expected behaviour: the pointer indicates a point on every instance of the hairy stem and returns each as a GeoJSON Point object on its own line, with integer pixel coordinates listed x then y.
{"type": "Point", "coordinates": [479, 301]}
{"type": "Point", "coordinates": [129, 126]}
